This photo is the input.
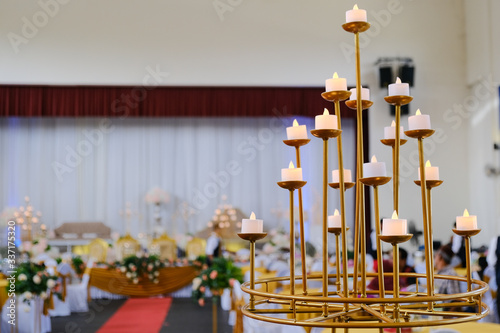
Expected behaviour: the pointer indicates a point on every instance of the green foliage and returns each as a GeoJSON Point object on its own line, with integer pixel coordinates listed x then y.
{"type": "Point", "coordinates": [139, 268]}
{"type": "Point", "coordinates": [78, 265]}
{"type": "Point", "coordinates": [218, 276]}
{"type": "Point", "coordinates": [33, 280]}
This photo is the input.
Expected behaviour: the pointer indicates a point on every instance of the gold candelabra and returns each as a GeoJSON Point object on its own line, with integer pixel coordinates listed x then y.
{"type": "Point", "coordinates": [351, 305]}
{"type": "Point", "coordinates": [29, 222]}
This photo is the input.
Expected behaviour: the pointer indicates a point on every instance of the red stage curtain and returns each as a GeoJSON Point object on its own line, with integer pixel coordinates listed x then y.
{"type": "Point", "coordinates": [104, 101]}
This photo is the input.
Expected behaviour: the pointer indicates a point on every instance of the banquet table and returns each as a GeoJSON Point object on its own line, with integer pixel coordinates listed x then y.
{"type": "Point", "coordinates": [170, 279]}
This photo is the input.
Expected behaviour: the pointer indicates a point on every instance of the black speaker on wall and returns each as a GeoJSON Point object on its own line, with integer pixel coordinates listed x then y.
{"type": "Point", "coordinates": [406, 74]}
{"type": "Point", "coordinates": [405, 109]}
{"type": "Point", "coordinates": [385, 73]}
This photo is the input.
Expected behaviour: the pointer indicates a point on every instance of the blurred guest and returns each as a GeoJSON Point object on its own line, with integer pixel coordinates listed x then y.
{"type": "Point", "coordinates": [494, 263]}
{"type": "Point", "coordinates": [388, 280]}
{"type": "Point", "coordinates": [405, 281]}
{"type": "Point", "coordinates": [213, 248]}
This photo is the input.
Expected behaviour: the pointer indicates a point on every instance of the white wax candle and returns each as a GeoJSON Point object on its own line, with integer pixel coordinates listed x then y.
{"type": "Point", "coordinates": [399, 89]}
{"type": "Point", "coordinates": [431, 173]}
{"type": "Point", "coordinates": [335, 221]}
{"type": "Point", "coordinates": [347, 176]}
{"type": "Point", "coordinates": [355, 15]}
{"type": "Point", "coordinates": [466, 222]}
{"type": "Point", "coordinates": [296, 131]}
{"type": "Point", "coordinates": [326, 121]}
{"type": "Point", "coordinates": [335, 83]}
{"type": "Point", "coordinates": [291, 173]}
{"type": "Point", "coordinates": [394, 226]}
{"type": "Point", "coordinates": [365, 94]}
{"type": "Point", "coordinates": [419, 121]}
{"type": "Point", "coordinates": [374, 169]}
{"type": "Point", "coordinates": [390, 131]}
{"type": "Point", "coordinates": [252, 225]}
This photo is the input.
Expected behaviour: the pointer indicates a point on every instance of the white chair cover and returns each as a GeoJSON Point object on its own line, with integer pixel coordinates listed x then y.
{"type": "Point", "coordinates": [76, 294]}
{"type": "Point", "coordinates": [62, 309]}
{"type": "Point", "coordinates": [29, 319]}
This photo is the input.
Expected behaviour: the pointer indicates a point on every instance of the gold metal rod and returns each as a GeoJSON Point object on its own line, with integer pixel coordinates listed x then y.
{"type": "Point", "coordinates": [292, 251]}
{"type": "Point", "coordinates": [325, 224]}
{"type": "Point", "coordinates": [252, 274]}
{"type": "Point", "coordinates": [395, 262]}
{"type": "Point", "coordinates": [337, 261]}
{"type": "Point", "coordinates": [468, 264]}
{"type": "Point", "coordinates": [428, 245]}
{"type": "Point", "coordinates": [431, 241]}
{"type": "Point", "coordinates": [302, 232]}
{"type": "Point", "coordinates": [396, 158]}
{"type": "Point", "coordinates": [377, 314]}
{"type": "Point", "coordinates": [342, 202]}
{"type": "Point", "coordinates": [380, 266]}
{"type": "Point", "coordinates": [360, 186]}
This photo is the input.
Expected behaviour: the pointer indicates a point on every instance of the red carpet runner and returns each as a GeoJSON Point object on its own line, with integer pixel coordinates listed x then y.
{"type": "Point", "coordinates": [145, 315]}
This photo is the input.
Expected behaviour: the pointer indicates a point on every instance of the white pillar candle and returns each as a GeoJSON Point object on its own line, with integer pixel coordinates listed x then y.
{"type": "Point", "coordinates": [355, 15]}
{"type": "Point", "coordinates": [252, 225]}
{"type": "Point", "coordinates": [466, 222]}
{"type": "Point", "coordinates": [419, 121]}
{"type": "Point", "coordinates": [291, 174]}
{"type": "Point", "coordinates": [390, 131]}
{"type": "Point", "coordinates": [296, 131]}
{"type": "Point", "coordinates": [347, 176]}
{"type": "Point", "coordinates": [431, 173]}
{"type": "Point", "coordinates": [374, 169]}
{"type": "Point", "coordinates": [336, 83]}
{"type": "Point", "coordinates": [365, 94]}
{"type": "Point", "coordinates": [399, 89]}
{"type": "Point", "coordinates": [394, 226]}
{"type": "Point", "coordinates": [326, 121]}
{"type": "Point", "coordinates": [335, 221]}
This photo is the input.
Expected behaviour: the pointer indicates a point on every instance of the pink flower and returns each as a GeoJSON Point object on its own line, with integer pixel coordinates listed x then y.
{"type": "Point", "coordinates": [204, 277]}
{"type": "Point", "coordinates": [213, 274]}
{"type": "Point", "coordinates": [202, 289]}
{"type": "Point", "coordinates": [231, 282]}
{"type": "Point", "coordinates": [201, 302]}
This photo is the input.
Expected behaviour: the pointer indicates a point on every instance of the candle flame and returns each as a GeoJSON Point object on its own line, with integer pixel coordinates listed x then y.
{"type": "Point", "coordinates": [291, 166]}
{"type": "Point", "coordinates": [335, 75]}
{"type": "Point", "coordinates": [252, 216]}
{"type": "Point", "coordinates": [325, 112]}
{"type": "Point", "coordinates": [355, 7]}
{"type": "Point", "coordinates": [428, 164]}
{"type": "Point", "coordinates": [295, 123]}
{"type": "Point", "coordinates": [374, 159]}
{"type": "Point", "coordinates": [394, 215]}
{"type": "Point", "coordinates": [466, 212]}
{"type": "Point", "coordinates": [398, 80]}
{"type": "Point", "coordinates": [418, 112]}
{"type": "Point", "coordinates": [393, 124]}
{"type": "Point", "coordinates": [336, 213]}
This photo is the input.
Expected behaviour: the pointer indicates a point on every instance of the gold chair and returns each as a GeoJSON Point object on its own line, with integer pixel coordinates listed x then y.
{"type": "Point", "coordinates": [164, 247]}
{"type": "Point", "coordinates": [195, 247]}
{"type": "Point", "coordinates": [98, 249]}
{"type": "Point", "coordinates": [127, 246]}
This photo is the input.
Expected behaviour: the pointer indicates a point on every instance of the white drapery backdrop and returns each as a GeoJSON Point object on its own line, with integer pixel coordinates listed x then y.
{"type": "Point", "coordinates": [86, 169]}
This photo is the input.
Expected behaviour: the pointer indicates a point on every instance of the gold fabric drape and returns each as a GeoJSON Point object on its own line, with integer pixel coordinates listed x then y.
{"type": "Point", "coordinates": [171, 279]}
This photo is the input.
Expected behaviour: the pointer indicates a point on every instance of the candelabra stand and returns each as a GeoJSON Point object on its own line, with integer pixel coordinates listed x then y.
{"type": "Point", "coordinates": [429, 258]}
{"type": "Point", "coordinates": [252, 238]}
{"type": "Point", "coordinates": [395, 240]}
{"type": "Point", "coordinates": [336, 97]}
{"type": "Point", "coordinates": [337, 231]}
{"type": "Point", "coordinates": [467, 234]}
{"type": "Point", "coordinates": [297, 144]}
{"type": "Point", "coordinates": [325, 134]}
{"type": "Point", "coordinates": [375, 182]}
{"type": "Point", "coordinates": [359, 105]}
{"type": "Point", "coordinates": [291, 186]}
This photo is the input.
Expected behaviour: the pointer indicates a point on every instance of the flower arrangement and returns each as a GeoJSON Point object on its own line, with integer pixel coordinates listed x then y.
{"type": "Point", "coordinates": [33, 280]}
{"type": "Point", "coordinates": [139, 268]}
{"type": "Point", "coordinates": [220, 275]}
{"type": "Point", "coordinates": [78, 265]}
{"type": "Point", "coordinates": [157, 196]}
